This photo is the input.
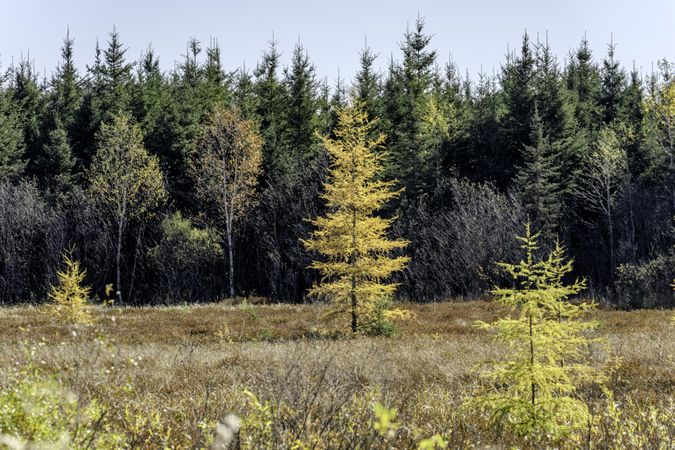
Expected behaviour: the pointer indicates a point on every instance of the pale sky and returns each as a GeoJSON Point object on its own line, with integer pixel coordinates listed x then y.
{"type": "Point", "coordinates": [476, 33]}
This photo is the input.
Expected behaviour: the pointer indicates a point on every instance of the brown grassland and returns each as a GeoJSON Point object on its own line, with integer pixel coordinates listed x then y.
{"type": "Point", "coordinates": [167, 375]}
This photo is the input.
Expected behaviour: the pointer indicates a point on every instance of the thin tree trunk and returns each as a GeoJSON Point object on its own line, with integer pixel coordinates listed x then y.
{"type": "Point", "coordinates": [139, 237]}
{"type": "Point", "coordinates": [355, 313]}
{"type": "Point", "coordinates": [227, 204]}
{"type": "Point", "coordinates": [230, 254]}
{"type": "Point", "coordinates": [533, 385]}
{"type": "Point", "coordinates": [611, 233]}
{"type": "Point", "coordinates": [631, 210]}
{"type": "Point", "coordinates": [562, 360]}
{"type": "Point", "coordinates": [118, 261]}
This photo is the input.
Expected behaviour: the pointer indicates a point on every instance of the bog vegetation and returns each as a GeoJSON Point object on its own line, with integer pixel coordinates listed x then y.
{"type": "Point", "coordinates": [287, 376]}
{"type": "Point", "coordinates": [203, 184]}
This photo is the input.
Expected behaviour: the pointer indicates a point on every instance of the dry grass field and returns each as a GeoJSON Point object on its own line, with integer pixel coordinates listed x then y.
{"type": "Point", "coordinates": [166, 376]}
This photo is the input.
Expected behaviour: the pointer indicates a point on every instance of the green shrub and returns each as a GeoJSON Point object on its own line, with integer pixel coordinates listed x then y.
{"type": "Point", "coordinates": [646, 284]}
{"type": "Point", "coordinates": [266, 334]}
{"type": "Point", "coordinates": [186, 260]}
{"type": "Point", "coordinates": [36, 411]}
{"type": "Point", "coordinates": [378, 322]}
{"type": "Point", "coordinates": [380, 317]}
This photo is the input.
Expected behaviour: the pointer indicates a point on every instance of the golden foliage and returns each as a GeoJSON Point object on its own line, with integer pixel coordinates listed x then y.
{"type": "Point", "coordinates": [225, 170]}
{"type": "Point", "coordinates": [70, 297]}
{"type": "Point", "coordinates": [351, 237]}
{"type": "Point", "coordinates": [227, 162]}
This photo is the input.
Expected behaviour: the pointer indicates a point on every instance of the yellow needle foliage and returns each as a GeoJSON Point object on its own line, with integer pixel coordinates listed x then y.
{"type": "Point", "coordinates": [533, 390]}
{"type": "Point", "coordinates": [351, 237]}
{"type": "Point", "coordinates": [70, 297]}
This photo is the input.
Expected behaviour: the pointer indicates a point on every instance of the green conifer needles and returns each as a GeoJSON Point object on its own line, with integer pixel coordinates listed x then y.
{"type": "Point", "coordinates": [533, 390]}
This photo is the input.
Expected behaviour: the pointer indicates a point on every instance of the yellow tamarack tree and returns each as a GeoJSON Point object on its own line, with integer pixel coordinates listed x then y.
{"type": "Point", "coordinates": [70, 296]}
{"type": "Point", "coordinates": [533, 390]}
{"type": "Point", "coordinates": [351, 237]}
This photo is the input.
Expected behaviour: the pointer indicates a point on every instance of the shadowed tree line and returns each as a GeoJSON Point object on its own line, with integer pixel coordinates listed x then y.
{"type": "Point", "coordinates": [198, 183]}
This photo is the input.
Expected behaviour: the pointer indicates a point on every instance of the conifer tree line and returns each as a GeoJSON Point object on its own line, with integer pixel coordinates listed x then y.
{"type": "Point", "coordinates": [199, 182]}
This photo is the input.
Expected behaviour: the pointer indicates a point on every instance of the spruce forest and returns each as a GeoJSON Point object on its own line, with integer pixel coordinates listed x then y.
{"type": "Point", "coordinates": [258, 257]}
{"type": "Point", "coordinates": [581, 147]}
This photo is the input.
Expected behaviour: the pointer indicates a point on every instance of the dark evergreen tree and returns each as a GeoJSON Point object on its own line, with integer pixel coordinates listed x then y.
{"type": "Point", "coordinates": [448, 95]}
{"type": "Point", "coordinates": [153, 107]}
{"type": "Point", "coordinates": [58, 162]}
{"type": "Point", "coordinates": [451, 88]}
{"type": "Point", "coordinates": [115, 79]}
{"type": "Point", "coordinates": [189, 81]}
{"type": "Point", "coordinates": [12, 161]}
{"type": "Point", "coordinates": [323, 106]}
{"type": "Point", "coordinates": [613, 84]}
{"type": "Point", "coordinates": [519, 99]}
{"type": "Point", "coordinates": [564, 141]}
{"type": "Point", "coordinates": [66, 96]}
{"type": "Point", "coordinates": [289, 117]}
{"type": "Point", "coordinates": [332, 102]}
{"type": "Point", "coordinates": [270, 109]}
{"type": "Point", "coordinates": [108, 93]}
{"type": "Point", "coordinates": [475, 152]}
{"type": "Point", "coordinates": [27, 97]}
{"type": "Point", "coordinates": [243, 93]}
{"type": "Point", "coordinates": [459, 153]}
{"type": "Point", "coordinates": [631, 110]}
{"type": "Point", "coordinates": [87, 118]}
{"type": "Point", "coordinates": [366, 88]}
{"type": "Point", "coordinates": [188, 106]}
{"type": "Point", "coordinates": [301, 108]}
{"type": "Point", "coordinates": [537, 182]}
{"type": "Point", "coordinates": [393, 111]}
{"type": "Point", "coordinates": [583, 83]}
{"type": "Point", "coordinates": [217, 83]}
{"type": "Point", "coordinates": [659, 130]}
{"type": "Point", "coordinates": [632, 114]}
{"type": "Point", "coordinates": [548, 94]}
{"type": "Point", "coordinates": [414, 159]}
